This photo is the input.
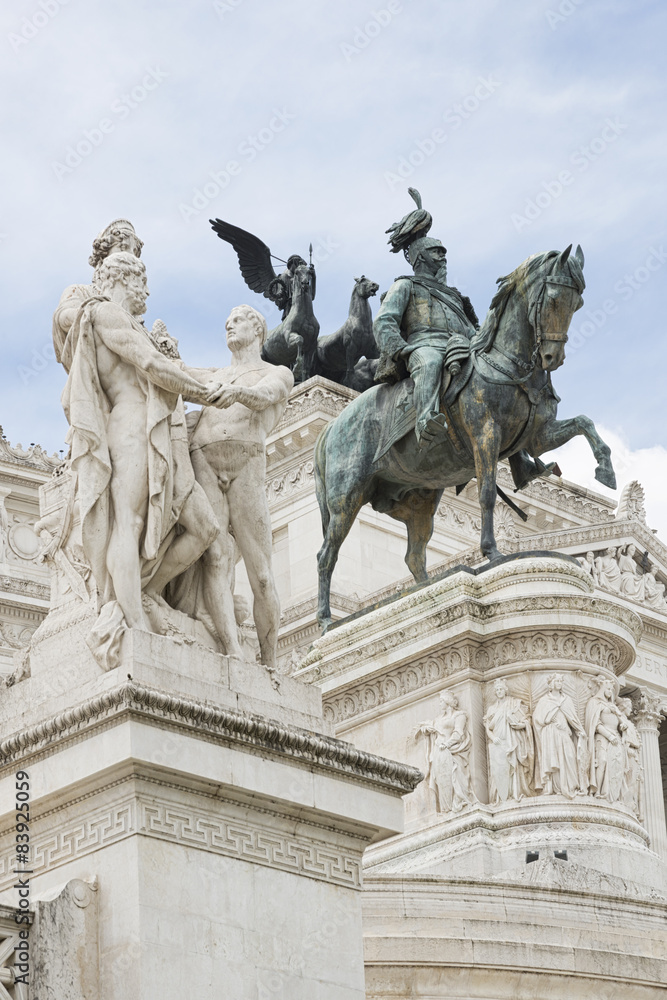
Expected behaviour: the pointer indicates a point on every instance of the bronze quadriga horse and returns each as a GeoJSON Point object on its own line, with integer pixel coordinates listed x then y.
{"type": "Point", "coordinates": [506, 404]}
{"type": "Point", "coordinates": [339, 352]}
{"type": "Point", "coordinates": [293, 342]}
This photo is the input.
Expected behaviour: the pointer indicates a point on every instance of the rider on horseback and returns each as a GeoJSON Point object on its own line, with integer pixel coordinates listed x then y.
{"type": "Point", "coordinates": [428, 325]}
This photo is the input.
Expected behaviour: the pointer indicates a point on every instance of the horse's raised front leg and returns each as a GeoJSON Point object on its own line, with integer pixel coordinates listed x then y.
{"type": "Point", "coordinates": [351, 358]}
{"type": "Point", "coordinates": [486, 448]}
{"type": "Point", "coordinates": [558, 432]}
{"type": "Point", "coordinates": [295, 344]}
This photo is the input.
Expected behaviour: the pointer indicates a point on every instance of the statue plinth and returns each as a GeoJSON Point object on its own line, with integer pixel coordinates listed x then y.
{"type": "Point", "coordinates": [502, 684]}
{"type": "Point", "coordinates": [220, 823]}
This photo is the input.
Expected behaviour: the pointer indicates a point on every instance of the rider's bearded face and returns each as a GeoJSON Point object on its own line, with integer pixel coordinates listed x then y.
{"type": "Point", "coordinates": [436, 260]}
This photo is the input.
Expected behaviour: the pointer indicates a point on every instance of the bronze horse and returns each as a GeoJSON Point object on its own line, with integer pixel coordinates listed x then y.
{"type": "Point", "coordinates": [339, 352]}
{"type": "Point", "coordinates": [500, 404]}
{"type": "Point", "coordinates": [293, 342]}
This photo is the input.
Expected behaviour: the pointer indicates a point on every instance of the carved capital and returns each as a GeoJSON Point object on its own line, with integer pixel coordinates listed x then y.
{"type": "Point", "coordinates": [649, 710]}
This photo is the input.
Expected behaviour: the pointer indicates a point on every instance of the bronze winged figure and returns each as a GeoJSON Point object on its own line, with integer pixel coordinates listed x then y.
{"type": "Point", "coordinates": [255, 264]}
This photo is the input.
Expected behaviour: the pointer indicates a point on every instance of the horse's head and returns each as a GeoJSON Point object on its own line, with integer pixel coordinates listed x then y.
{"type": "Point", "coordinates": [365, 288]}
{"type": "Point", "coordinates": [302, 278]}
{"type": "Point", "coordinates": [554, 304]}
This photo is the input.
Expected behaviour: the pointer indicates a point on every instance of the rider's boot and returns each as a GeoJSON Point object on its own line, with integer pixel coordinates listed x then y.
{"type": "Point", "coordinates": [524, 469]}
{"type": "Point", "coordinates": [427, 375]}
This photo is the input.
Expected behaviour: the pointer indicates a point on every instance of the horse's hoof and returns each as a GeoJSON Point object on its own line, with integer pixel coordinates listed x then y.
{"type": "Point", "coordinates": [325, 624]}
{"type": "Point", "coordinates": [606, 475]}
{"type": "Point", "coordinates": [493, 554]}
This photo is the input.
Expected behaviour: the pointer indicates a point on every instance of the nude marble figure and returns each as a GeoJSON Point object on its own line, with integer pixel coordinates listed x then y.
{"type": "Point", "coordinates": [228, 451]}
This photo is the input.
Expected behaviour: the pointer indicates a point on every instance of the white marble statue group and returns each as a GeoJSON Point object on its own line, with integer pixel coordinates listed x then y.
{"type": "Point", "coordinates": [616, 571]}
{"type": "Point", "coordinates": [164, 503]}
{"type": "Point", "coordinates": [552, 751]}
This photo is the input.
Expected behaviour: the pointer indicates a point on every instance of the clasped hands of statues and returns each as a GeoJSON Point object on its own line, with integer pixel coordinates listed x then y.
{"type": "Point", "coordinates": [220, 395]}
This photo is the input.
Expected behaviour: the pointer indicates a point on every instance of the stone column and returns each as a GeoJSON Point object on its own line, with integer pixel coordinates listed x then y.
{"type": "Point", "coordinates": [647, 719]}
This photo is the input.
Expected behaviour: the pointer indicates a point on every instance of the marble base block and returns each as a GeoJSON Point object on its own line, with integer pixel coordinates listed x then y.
{"type": "Point", "coordinates": [222, 827]}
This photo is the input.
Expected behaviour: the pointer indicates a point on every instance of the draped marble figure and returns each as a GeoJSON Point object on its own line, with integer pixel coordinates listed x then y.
{"type": "Point", "coordinates": [449, 743]}
{"type": "Point", "coordinates": [119, 400]}
{"type": "Point", "coordinates": [510, 745]}
{"type": "Point", "coordinates": [557, 726]}
{"type": "Point", "coordinates": [608, 573]}
{"type": "Point", "coordinates": [150, 496]}
{"type": "Point", "coordinates": [633, 778]}
{"type": "Point", "coordinates": [605, 724]}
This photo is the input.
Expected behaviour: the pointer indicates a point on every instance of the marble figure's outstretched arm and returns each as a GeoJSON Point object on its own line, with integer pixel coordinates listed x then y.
{"type": "Point", "coordinates": [114, 328]}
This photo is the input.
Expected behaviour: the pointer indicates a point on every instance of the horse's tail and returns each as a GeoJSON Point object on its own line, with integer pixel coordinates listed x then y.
{"type": "Point", "coordinates": [319, 473]}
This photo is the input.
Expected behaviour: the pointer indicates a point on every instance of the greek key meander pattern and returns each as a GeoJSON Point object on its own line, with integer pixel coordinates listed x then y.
{"type": "Point", "coordinates": [189, 827]}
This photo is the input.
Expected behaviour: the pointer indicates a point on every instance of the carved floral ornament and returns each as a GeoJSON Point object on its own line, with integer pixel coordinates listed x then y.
{"type": "Point", "coordinates": [649, 709]}
{"type": "Point", "coordinates": [317, 397]}
{"type": "Point", "coordinates": [632, 505]}
{"type": "Point", "coordinates": [520, 649]}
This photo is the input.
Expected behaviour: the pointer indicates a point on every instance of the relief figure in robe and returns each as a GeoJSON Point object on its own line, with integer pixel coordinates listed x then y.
{"type": "Point", "coordinates": [510, 745]}
{"type": "Point", "coordinates": [557, 727]}
{"type": "Point", "coordinates": [605, 724]}
{"type": "Point", "coordinates": [449, 743]}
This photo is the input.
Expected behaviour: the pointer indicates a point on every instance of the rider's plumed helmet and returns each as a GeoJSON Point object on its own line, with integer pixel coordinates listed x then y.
{"type": "Point", "coordinates": [418, 246]}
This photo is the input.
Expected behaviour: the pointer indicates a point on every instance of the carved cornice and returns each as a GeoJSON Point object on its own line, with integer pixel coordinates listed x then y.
{"type": "Point", "coordinates": [35, 457]}
{"type": "Point", "coordinates": [252, 733]}
{"type": "Point", "coordinates": [29, 588]}
{"type": "Point", "coordinates": [585, 821]}
{"type": "Point", "coordinates": [561, 495]}
{"type": "Point", "coordinates": [316, 667]}
{"type": "Point", "coordinates": [295, 612]}
{"type": "Point", "coordinates": [586, 535]}
{"type": "Point", "coordinates": [317, 394]}
{"type": "Point", "coordinates": [486, 657]}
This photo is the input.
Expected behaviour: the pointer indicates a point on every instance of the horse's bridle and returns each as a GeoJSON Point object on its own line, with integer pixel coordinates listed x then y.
{"type": "Point", "coordinates": [534, 319]}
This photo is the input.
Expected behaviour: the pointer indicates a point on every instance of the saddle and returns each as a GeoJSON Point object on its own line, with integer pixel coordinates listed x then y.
{"type": "Point", "coordinates": [400, 419]}
{"type": "Point", "coordinates": [401, 416]}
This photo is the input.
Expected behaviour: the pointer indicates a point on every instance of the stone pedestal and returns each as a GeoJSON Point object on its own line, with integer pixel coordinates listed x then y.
{"type": "Point", "coordinates": [223, 828]}
{"type": "Point", "coordinates": [417, 678]}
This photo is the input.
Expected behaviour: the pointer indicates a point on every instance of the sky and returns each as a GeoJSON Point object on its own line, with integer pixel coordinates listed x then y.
{"type": "Point", "coordinates": [526, 125]}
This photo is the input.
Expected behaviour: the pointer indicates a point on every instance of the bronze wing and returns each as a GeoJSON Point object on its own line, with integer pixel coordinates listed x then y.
{"type": "Point", "coordinates": [254, 256]}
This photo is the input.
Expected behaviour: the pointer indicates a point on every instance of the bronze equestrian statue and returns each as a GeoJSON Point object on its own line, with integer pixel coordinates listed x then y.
{"type": "Point", "coordinates": [488, 396]}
